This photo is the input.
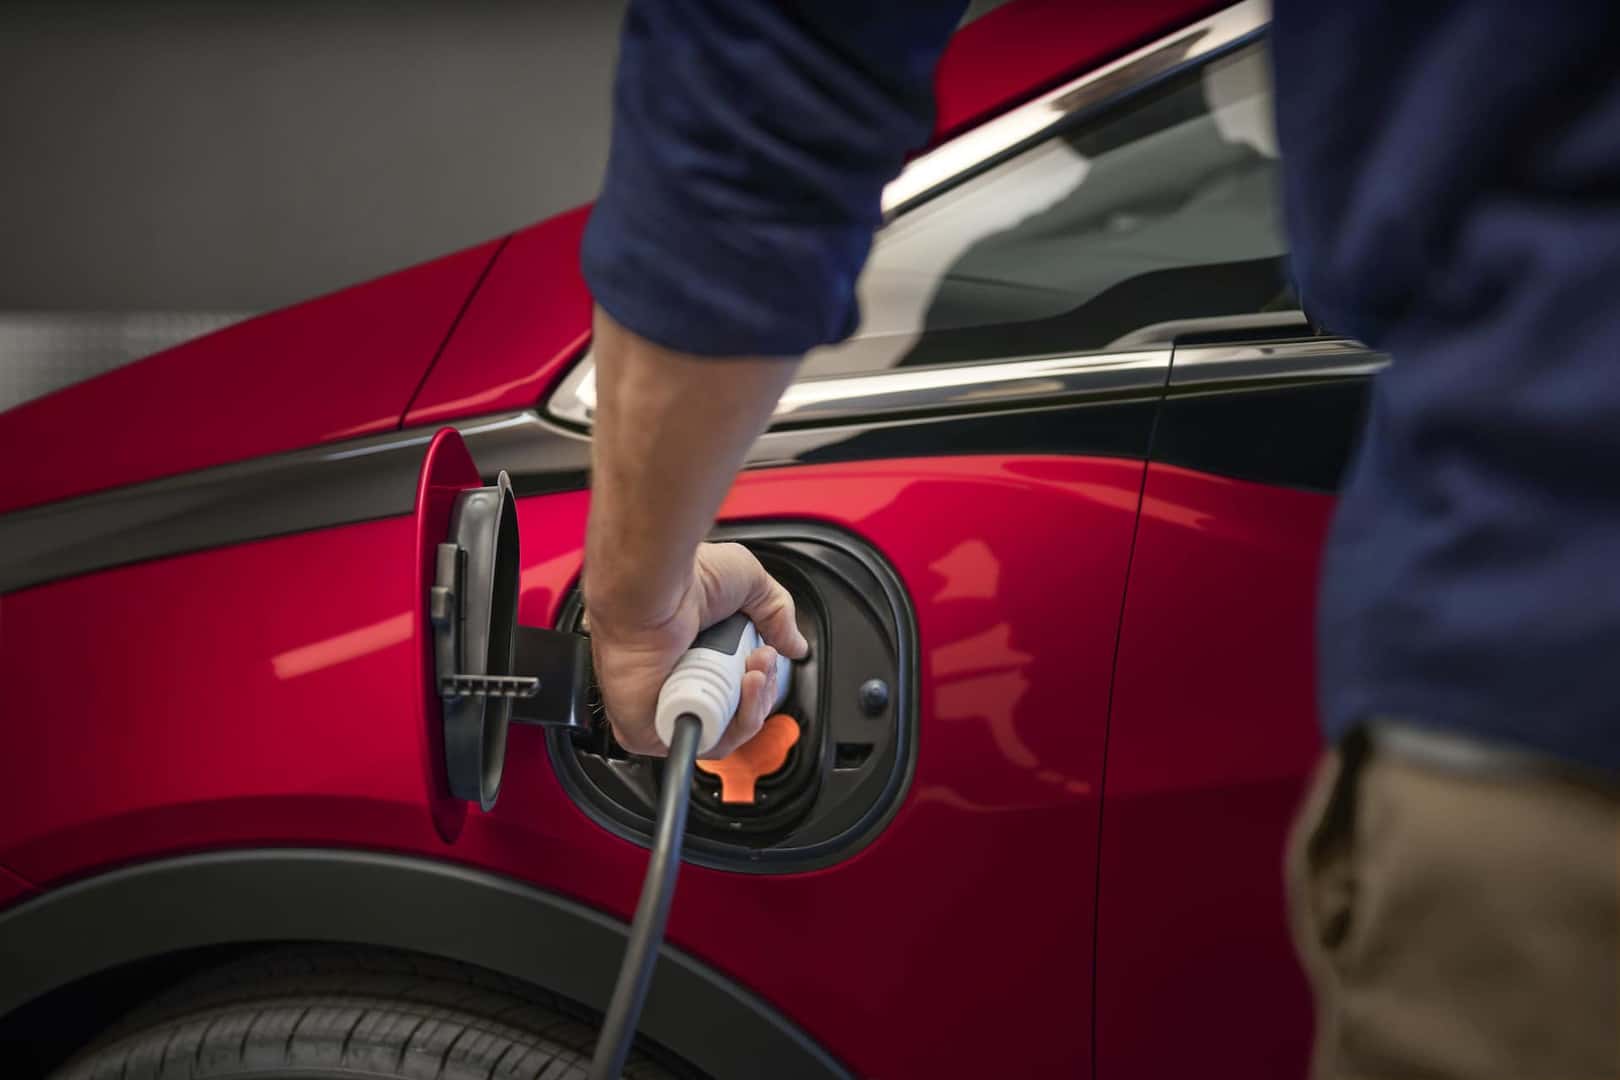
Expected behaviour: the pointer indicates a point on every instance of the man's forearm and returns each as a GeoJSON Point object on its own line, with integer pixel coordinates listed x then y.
{"type": "Point", "coordinates": [670, 432]}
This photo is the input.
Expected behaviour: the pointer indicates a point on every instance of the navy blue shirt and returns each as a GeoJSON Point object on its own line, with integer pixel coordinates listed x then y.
{"type": "Point", "coordinates": [751, 142]}
{"type": "Point", "coordinates": [1451, 178]}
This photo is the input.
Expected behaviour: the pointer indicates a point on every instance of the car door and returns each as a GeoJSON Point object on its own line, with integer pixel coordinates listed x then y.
{"type": "Point", "coordinates": [1212, 730]}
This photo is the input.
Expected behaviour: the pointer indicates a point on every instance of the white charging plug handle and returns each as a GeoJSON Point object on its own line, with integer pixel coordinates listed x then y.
{"type": "Point", "coordinates": [707, 680]}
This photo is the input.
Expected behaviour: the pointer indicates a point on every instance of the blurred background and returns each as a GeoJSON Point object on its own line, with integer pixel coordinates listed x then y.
{"type": "Point", "coordinates": [171, 168]}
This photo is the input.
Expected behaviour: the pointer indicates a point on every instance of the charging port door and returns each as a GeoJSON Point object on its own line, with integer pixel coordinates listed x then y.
{"type": "Point", "coordinates": [485, 671]}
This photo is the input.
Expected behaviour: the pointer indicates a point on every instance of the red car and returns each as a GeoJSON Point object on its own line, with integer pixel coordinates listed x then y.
{"type": "Point", "coordinates": [1052, 518]}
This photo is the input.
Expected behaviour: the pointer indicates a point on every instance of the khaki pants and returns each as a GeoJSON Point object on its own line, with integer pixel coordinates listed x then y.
{"type": "Point", "coordinates": [1458, 922]}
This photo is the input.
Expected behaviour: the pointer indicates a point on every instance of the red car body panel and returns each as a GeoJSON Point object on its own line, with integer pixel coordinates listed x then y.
{"type": "Point", "coordinates": [530, 320]}
{"type": "Point", "coordinates": [1209, 742]}
{"type": "Point", "coordinates": [13, 888]}
{"type": "Point", "coordinates": [274, 696]}
{"type": "Point", "coordinates": [1023, 48]}
{"type": "Point", "coordinates": [333, 368]}
{"type": "Point", "coordinates": [209, 718]}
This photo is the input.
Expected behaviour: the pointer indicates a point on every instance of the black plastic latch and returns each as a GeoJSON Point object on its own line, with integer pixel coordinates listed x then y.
{"type": "Point", "coordinates": [560, 662]}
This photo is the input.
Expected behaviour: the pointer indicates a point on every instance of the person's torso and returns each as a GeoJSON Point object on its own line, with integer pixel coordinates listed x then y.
{"type": "Point", "coordinates": [1451, 175]}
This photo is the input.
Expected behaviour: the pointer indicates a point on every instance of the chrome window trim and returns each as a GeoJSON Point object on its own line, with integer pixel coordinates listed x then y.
{"type": "Point", "coordinates": [1000, 137]}
{"type": "Point", "coordinates": [1135, 366]}
{"type": "Point", "coordinates": [992, 383]}
{"type": "Point", "coordinates": [1117, 373]}
{"type": "Point", "coordinates": [977, 385]}
{"type": "Point", "coordinates": [1263, 324]}
{"type": "Point", "coordinates": [575, 397]}
{"type": "Point", "coordinates": [1201, 368]}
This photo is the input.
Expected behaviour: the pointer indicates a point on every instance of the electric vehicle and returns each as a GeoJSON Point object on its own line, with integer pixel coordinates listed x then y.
{"type": "Point", "coordinates": [1052, 518]}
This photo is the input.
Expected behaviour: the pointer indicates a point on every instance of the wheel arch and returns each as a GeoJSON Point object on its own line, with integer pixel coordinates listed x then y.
{"type": "Point", "coordinates": [204, 902]}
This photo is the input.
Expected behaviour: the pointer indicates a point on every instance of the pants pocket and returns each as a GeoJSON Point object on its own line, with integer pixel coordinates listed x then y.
{"type": "Point", "coordinates": [1321, 871]}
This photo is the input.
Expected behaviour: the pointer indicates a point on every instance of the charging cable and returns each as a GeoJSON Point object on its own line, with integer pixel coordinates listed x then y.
{"type": "Point", "coordinates": [695, 706]}
{"type": "Point", "coordinates": [652, 910]}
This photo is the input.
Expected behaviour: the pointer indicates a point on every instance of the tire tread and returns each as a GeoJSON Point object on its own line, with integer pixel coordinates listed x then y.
{"type": "Point", "coordinates": [349, 1013]}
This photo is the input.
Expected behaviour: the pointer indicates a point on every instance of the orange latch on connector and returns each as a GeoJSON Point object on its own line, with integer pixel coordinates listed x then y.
{"type": "Point", "coordinates": [760, 756]}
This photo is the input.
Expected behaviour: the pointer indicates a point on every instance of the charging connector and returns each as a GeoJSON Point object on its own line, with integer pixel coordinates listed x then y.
{"type": "Point", "coordinates": [707, 681]}
{"type": "Point", "coordinates": [695, 706]}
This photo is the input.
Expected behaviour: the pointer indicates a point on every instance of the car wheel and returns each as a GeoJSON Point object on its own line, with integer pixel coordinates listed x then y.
{"type": "Point", "coordinates": [328, 1012]}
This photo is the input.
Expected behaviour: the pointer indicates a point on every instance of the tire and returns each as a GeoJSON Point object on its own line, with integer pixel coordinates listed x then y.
{"type": "Point", "coordinates": [318, 1012]}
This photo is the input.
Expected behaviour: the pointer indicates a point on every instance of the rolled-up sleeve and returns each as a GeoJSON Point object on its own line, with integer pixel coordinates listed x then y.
{"type": "Point", "coordinates": [751, 143]}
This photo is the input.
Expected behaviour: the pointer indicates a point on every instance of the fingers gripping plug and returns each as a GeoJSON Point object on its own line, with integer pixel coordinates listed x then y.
{"type": "Point", "coordinates": [707, 680]}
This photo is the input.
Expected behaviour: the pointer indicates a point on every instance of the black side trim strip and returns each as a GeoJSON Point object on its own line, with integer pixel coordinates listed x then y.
{"type": "Point", "coordinates": [336, 484]}
{"type": "Point", "coordinates": [287, 493]}
{"type": "Point", "coordinates": [1100, 429]}
{"type": "Point", "coordinates": [542, 458]}
{"type": "Point", "coordinates": [539, 457]}
{"type": "Point", "coordinates": [539, 460]}
{"type": "Point", "coordinates": [375, 477]}
{"type": "Point", "coordinates": [1294, 436]}
{"type": "Point", "coordinates": [396, 902]}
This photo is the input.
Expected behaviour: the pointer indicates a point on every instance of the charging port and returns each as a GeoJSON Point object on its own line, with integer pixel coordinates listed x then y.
{"type": "Point", "coordinates": [827, 770]}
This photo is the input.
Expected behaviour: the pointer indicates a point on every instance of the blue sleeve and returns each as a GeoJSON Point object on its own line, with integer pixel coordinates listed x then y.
{"type": "Point", "coordinates": [751, 143]}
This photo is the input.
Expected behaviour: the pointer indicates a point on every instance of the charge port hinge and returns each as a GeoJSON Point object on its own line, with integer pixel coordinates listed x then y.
{"type": "Point", "coordinates": [554, 666]}
{"type": "Point", "coordinates": [446, 612]}
{"type": "Point", "coordinates": [512, 686]}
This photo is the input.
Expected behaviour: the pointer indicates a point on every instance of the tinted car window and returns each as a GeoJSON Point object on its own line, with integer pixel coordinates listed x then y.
{"type": "Point", "coordinates": [1163, 208]}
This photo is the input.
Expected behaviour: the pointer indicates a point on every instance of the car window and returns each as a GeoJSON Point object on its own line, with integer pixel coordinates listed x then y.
{"type": "Point", "coordinates": [1160, 209]}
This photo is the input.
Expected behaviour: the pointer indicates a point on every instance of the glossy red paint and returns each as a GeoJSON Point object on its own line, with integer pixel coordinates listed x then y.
{"type": "Point", "coordinates": [13, 889]}
{"type": "Point", "coordinates": [241, 696]}
{"type": "Point", "coordinates": [530, 319]}
{"type": "Point", "coordinates": [333, 368]}
{"type": "Point", "coordinates": [1016, 607]}
{"type": "Point", "coordinates": [1213, 733]}
{"type": "Point", "coordinates": [273, 696]}
{"type": "Point", "coordinates": [1022, 48]}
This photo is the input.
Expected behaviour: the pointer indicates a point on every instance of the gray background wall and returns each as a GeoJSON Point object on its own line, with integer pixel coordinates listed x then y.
{"type": "Point", "coordinates": [242, 156]}
{"type": "Point", "coordinates": [171, 167]}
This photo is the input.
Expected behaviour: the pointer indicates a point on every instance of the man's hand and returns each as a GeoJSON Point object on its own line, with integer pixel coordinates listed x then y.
{"type": "Point", "coordinates": [633, 659]}
{"type": "Point", "coordinates": [670, 431]}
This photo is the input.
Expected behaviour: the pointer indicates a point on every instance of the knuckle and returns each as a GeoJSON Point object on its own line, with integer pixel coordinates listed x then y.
{"type": "Point", "coordinates": [709, 580]}
{"type": "Point", "coordinates": [732, 559]}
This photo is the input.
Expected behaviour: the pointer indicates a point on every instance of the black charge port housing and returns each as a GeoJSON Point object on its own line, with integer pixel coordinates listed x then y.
{"type": "Point", "coordinates": [853, 699]}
